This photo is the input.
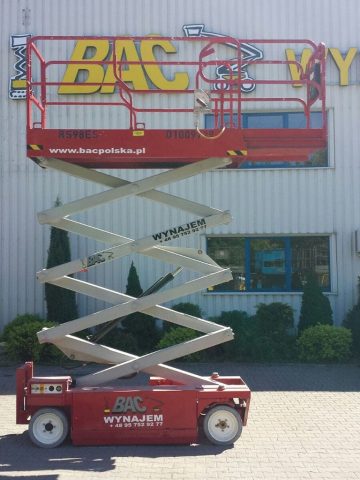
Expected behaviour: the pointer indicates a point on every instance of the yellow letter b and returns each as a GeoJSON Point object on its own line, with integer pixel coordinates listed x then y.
{"type": "Point", "coordinates": [93, 73]}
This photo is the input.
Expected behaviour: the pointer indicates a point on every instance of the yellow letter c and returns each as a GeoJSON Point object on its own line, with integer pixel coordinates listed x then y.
{"type": "Point", "coordinates": [180, 80]}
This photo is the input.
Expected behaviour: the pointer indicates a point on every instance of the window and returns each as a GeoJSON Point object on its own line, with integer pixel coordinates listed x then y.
{"type": "Point", "coordinates": [280, 120]}
{"type": "Point", "coordinates": [271, 264]}
{"type": "Point", "coordinates": [267, 264]}
{"type": "Point", "coordinates": [229, 252]}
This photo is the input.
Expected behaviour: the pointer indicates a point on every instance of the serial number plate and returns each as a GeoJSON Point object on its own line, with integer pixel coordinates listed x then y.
{"type": "Point", "coordinates": [181, 134]}
{"type": "Point", "coordinates": [83, 134]}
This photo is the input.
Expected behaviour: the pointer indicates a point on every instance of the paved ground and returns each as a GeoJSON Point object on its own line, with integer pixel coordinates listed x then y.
{"type": "Point", "coordinates": [304, 424]}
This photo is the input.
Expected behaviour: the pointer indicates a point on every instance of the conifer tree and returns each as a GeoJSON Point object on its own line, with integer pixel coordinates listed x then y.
{"type": "Point", "coordinates": [352, 321]}
{"type": "Point", "coordinates": [133, 286]}
{"type": "Point", "coordinates": [141, 326]}
{"type": "Point", "coordinates": [61, 303]}
{"type": "Point", "coordinates": [315, 306]}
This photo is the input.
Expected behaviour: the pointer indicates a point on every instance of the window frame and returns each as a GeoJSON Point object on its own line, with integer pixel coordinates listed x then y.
{"type": "Point", "coordinates": [288, 262]}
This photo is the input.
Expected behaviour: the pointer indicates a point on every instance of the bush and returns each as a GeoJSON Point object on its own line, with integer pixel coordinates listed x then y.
{"type": "Point", "coordinates": [140, 328]}
{"type": "Point", "coordinates": [18, 321]}
{"type": "Point", "coordinates": [325, 343]}
{"type": "Point", "coordinates": [178, 335]}
{"type": "Point", "coordinates": [121, 340]}
{"type": "Point", "coordinates": [274, 319]}
{"type": "Point", "coordinates": [184, 307]}
{"type": "Point", "coordinates": [188, 308]}
{"type": "Point", "coordinates": [352, 322]}
{"type": "Point", "coordinates": [238, 349]}
{"type": "Point", "coordinates": [315, 306]}
{"type": "Point", "coordinates": [21, 342]}
{"type": "Point", "coordinates": [272, 332]}
{"type": "Point", "coordinates": [262, 337]}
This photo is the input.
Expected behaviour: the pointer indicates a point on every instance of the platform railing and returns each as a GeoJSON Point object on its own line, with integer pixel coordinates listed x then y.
{"type": "Point", "coordinates": [228, 97]}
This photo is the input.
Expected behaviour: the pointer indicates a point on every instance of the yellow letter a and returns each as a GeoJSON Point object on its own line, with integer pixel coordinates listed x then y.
{"type": "Point", "coordinates": [131, 72]}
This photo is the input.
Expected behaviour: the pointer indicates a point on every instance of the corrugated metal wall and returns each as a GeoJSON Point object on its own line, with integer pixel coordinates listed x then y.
{"type": "Point", "coordinates": [268, 201]}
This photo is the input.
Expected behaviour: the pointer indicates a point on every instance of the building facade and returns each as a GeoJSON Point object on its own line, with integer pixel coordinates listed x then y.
{"type": "Point", "coordinates": [288, 218]}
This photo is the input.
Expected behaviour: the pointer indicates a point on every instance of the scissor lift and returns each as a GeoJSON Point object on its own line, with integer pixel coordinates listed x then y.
{"type": "Point", "coordinates": [176, 404]}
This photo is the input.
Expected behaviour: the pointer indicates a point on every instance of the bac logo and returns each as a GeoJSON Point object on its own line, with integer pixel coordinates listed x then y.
{"type": "Point", "coordinates": [249, 54]}
{"type": "Point", "coordinates": [89, 75]}
{"type": "Point", "coordinates": [101, 78]}
{"type": "Point", "coordinates": [128, 404]}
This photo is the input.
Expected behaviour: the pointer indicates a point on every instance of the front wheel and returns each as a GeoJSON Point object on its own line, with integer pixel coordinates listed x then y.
{"type": "Point", "coordinates": [222, 425]}
{"type": "Point", "coordinates": [48, 427]}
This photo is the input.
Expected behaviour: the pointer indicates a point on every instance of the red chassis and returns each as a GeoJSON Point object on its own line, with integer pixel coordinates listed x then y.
{"type": "Point", "coordinates": [171, 148]}
{"type": "Point", "coordinates": [161, 412]}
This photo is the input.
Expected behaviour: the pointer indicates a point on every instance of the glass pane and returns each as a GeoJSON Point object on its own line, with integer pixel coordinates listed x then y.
{"type": "Point", "coordinates": [210, 121]}
{"type": "Point", "coordinates": [310, 254]}
{"type": "Point", "coordinates": [316, 120]}
{"type": "Point", "coordinates": [296, 120]}
{"type": "Point", "coordinates": [229, 252]}
{"type": "Point", "coordinates": [267, 264]}
{"type": "Point", "coordinates": [268, 120]}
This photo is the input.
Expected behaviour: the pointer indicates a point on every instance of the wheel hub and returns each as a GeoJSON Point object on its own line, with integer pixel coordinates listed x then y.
{"type": "Point", "coordinates": [48, 427]}
{"type": "Point", "coordinates": [222, 424]}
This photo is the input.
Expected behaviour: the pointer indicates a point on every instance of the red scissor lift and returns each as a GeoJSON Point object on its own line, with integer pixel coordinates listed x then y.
{"type": "Point", "coordinates": [149, 128]}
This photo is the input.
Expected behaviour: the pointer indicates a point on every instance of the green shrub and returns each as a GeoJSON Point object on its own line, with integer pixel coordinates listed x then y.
{"type": "Point", "coordinates": [178, 335]}
{"type": "Point", "coordinates": [274, 319]}
{"type": "Point", "coordinates": [21, 342]}
{"type": "Point", "coordinates": [140, 328]}
{"type": "Point", "coordinates": [238, 349]}
{"type": "Point", "coordinates": [183, 307]}
{"type": "Point", "coordinates": [19, 321]}
{"type": "Point", "coordinates": [188, 308]}
{"type": "Point", "coordinates": [352, 322]}
{"type": "Point", "coordinates": [325, 343]}
{"type": "Point", "coordinates": [120, 340]}
{"type": "Point", "coordinates": [262, 337]}
{"type": "Point", "coordinates": [273, 339]}
{"type": "Point", "coordinates": [315, 306]}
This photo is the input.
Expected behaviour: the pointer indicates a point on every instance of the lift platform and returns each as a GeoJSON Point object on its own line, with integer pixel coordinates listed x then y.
{"type": "Point", "coordinates": [176, 405]}
{"type": "Point", "coordinates": [157, 107]}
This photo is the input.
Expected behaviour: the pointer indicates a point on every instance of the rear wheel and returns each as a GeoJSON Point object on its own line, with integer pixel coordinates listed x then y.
{"type": "Point", "coordinates": [222, 425]}
{"type": "Point", "coordinates": [48, 427]}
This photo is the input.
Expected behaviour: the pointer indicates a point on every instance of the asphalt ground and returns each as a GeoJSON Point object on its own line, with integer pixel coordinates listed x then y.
{"type": "Point", "coordinates": [304, 423]}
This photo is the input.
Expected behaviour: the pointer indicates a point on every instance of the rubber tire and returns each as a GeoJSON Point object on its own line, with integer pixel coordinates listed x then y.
{"type": "Point", "coordinates": [48, 416]}
{"type": "Point", "coordinates": [225, 414]}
